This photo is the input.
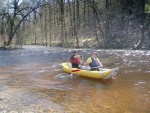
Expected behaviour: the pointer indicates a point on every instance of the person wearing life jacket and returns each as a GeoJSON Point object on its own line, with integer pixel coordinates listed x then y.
{"type": "Point", "coordinates": [94, 62]}
{"type": "Point", "coordinates": [75, 60]}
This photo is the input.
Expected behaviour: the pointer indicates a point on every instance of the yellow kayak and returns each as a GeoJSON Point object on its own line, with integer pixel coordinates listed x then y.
{"type": "Point", "coordinates": [102, 74]}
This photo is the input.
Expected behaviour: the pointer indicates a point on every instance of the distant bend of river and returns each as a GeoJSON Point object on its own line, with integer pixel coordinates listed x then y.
{"type": "Point", "coordinates": [32, 80]}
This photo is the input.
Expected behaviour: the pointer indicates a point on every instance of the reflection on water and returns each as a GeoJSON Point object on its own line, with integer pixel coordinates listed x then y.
{"type": "Point", "coordinates": [31, 80]}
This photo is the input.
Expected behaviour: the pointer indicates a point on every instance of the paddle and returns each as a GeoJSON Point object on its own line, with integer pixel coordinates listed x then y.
{"type": "Point", "coordinates": [75, 70]}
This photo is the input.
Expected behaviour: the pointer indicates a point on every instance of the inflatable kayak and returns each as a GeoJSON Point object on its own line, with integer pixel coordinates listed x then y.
{"type": "Point", "coordinates": [102, 74]}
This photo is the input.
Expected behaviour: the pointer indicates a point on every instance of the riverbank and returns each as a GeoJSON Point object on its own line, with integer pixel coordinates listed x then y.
{"type": "Point", "coordinates": [11, 47]}
{"type": "Point", "coordinates": [85, 43]}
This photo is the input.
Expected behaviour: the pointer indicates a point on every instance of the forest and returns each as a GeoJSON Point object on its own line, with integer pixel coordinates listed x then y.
{"type": "Point", "coordinates": [103, 24]}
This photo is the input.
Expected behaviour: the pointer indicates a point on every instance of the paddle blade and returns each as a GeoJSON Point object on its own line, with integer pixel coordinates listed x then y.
{"type": "Point", "coordinates": [76, 70]}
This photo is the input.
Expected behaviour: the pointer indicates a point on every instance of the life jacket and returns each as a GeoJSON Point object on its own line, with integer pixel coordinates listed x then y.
{"type": "Point", "coordinates": [94, 63]}
{"type": "Point", "coordinates": [74, 60]}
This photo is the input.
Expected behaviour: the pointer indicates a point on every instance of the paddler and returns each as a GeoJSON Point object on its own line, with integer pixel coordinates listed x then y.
{"type": "Point", "coordinates": [75, 60]}
{"type": "Point", "coordinates": [94, 62]}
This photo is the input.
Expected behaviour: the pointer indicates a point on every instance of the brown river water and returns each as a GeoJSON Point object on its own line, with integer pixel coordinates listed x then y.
{"type": "Point", "coordinates": [32, 81]}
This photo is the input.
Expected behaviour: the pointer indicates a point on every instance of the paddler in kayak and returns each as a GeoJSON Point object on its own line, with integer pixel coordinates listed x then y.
{"type": "Point", "coordinates": [94, 62]}
{"type": "Point", "coordinates": [75, 60]}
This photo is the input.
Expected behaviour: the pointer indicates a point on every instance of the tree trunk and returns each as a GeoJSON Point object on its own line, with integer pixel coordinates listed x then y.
{"type": "Point", "coordinates": [24, 29]}
{"type": "Point", "coordinates": [107, 32]}
{"type": "Point", "coordinates": [45, 21]}
{"type": "Point", "coordinates": [78, 14]}
{"type": "Point", "coordinates": [61, 17]}
{"type": "Point", "coordinates": [10, 37]}
{"type": "Point", "coordinates": [2, 31]}
{"type": "Point", "coordinates": [9, 40]}
{"type": "Point", "coordinates": [141, 41]}
{"type": "Point", "coordinates": [50, 23]}
{"type": "Point", "coordinates": [77, 22]}
{"type": "Point", "coordinates": [84, 11]}
{"type": "Point", "coordinates": [74, 24]}
{"type": "Point", "coordinates": [41, 27]}
{"type": "Point", "coordinates": [149, 38]}
{"type": "Point", "coordinates": [70, 14]}
{"type": "Point", "coordinates": [34, 24]}
{"type": "Point", "coordinates": [95, 25]}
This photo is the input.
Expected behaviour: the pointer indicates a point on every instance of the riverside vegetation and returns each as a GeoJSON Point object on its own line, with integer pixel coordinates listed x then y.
{"type": "Point", "coordinates": [107, 24]}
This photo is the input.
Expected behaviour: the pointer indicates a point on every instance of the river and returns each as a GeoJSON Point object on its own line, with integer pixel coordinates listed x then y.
{"type": "Point", "coordinates": [32, 81]}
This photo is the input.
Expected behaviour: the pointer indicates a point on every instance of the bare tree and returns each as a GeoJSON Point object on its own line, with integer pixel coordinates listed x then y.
{"type": "Point", "coordinates": [20, 14]}
{"type": "Point", "coordinates": [96, 12]}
